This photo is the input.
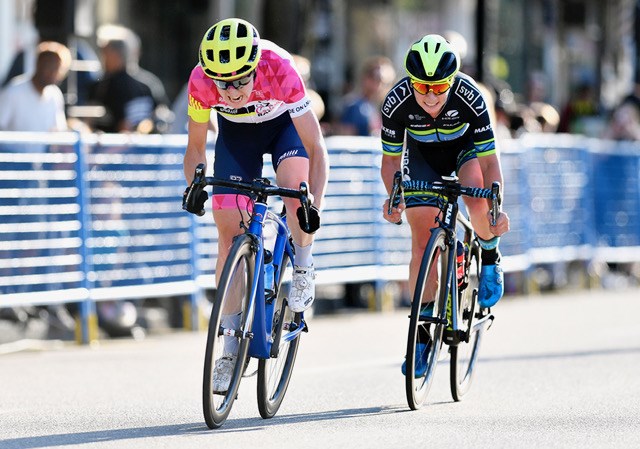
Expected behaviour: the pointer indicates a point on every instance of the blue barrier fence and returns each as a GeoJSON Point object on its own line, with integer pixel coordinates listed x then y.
{"type": "Point", "coordinates": [86, 218]}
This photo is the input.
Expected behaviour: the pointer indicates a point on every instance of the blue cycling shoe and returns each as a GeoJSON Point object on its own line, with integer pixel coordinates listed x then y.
{"type": "Point", "coordinates": [422, 352]}
{"type": "Point", "coordinates": [491, 285]}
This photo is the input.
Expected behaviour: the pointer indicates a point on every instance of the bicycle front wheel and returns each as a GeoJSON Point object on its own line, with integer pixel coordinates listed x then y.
{"type": "Point", "coordinates": [426, 328]}
{"type": "Point", "coordinates": [465, 354]}
{"type": "Point", "coordinates": [274, 373]}
{"type": "Point", "coordinates": [227, 339]}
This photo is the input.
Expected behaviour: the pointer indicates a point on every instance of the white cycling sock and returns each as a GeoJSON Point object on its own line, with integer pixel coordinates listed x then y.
{"type": "Point", "coordinates": [230, 322]}
{"type": "Point", "coordinates": [304, 256]}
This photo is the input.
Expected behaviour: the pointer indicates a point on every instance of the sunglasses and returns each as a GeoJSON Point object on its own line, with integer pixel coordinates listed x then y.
{"type": "Point", "coordinates": [424, 88]}
{"type": "Point", "coordinates": [224, 85]}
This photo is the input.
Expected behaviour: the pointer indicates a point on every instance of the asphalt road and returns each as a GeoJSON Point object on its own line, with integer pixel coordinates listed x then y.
{"type": "Point", "coordinates": [556, 371]}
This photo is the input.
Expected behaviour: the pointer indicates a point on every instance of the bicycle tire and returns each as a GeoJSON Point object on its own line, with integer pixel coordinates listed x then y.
{"type": "Point", "coordinates": [434, 261]}
{"type": "Point", "coordinates": [237, 276]}
{"type": "Point", "coordinates": [275, 373]}
{"type": "Point", "coordinates": [465, 354]}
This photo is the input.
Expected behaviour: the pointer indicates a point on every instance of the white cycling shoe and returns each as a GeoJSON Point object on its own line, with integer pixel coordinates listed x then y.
{"type": "Point", "coordinates": [303, 288]}
{"type": "Point", "coordinates": [222, 373]}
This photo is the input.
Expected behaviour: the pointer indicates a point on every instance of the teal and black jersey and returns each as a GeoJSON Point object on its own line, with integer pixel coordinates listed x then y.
{"type": "Point", "coordinates": [462, 131]}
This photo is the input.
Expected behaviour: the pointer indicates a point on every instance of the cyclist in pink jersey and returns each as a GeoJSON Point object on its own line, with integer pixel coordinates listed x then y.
{"type": "Point", "coordinates": [262, 108]}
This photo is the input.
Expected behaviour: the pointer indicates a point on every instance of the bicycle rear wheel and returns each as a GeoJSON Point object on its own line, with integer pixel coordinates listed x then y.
{"type": "Point", "coordinates": [226, 343]}
{"type": "Point", "coordinates": [274, 373]}
{"type": "Point", "coordinates": [433, 267]}
{"type": "Point", "coordinates": [465, 354]}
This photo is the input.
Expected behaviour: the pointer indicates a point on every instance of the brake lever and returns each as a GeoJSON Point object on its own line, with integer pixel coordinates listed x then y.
{"type": "Point", "coordinates": [496, 201]}
{"type": "Point", "coordinates": [197, 183]}
{"type": "Point", "coordinates": [394, 198]}
{"type": "Point", "coordinates": [306, 204]}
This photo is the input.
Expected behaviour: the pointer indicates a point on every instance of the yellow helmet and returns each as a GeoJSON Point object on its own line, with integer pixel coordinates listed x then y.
{"type": "Point", "coordinates": [229, 49]}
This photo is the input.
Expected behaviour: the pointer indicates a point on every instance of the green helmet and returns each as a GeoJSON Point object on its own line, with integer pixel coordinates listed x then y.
{"type": "Point", "coordinates": [432, 59]}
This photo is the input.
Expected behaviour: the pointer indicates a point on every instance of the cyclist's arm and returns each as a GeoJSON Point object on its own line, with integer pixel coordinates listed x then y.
{"type": "Point", "coordinates": [309, 131]}
{"type": "Point", "coordinates": [492, 171]}
{"type": "Point", "coordinates": [390, 165]}
{"type": "Point", "coordinates": [196, 148]}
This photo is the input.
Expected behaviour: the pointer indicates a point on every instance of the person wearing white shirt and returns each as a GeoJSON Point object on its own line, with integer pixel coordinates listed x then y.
{"type": "Point", "coordinates": [35, 102]}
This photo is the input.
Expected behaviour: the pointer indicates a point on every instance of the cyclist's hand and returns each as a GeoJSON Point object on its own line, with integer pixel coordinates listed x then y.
{"type": "Point", "coordinates": [196, 205]}
{"type": "Point", "coordinates": [314, 219]}
{"type": "Point", "coordinates": [396, 212]}
{"type": "Point", "coordinates": [502, 225]}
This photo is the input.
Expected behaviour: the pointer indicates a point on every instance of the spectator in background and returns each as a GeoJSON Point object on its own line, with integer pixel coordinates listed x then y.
{"type": "Point", "coordinates": [35, 102]}
{"type": "Point", "coordinates": [624, 123]}
{"type": "Point", "coordinates": [131, 96]}
{"type": "Point", "coordinates": [581, 106]}
{"type": "Point", "coordinates": [546, 115]}
{"type": "Point", "coordinates": [361, 113]}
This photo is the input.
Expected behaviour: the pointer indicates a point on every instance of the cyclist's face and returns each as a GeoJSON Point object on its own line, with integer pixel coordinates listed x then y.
{"type": "Point", "coordinates": [237, 97]}
{"type": "Point", "coordinates": [430, 102]}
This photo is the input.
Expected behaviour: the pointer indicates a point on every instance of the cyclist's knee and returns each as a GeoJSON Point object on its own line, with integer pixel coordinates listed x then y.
{"type": "Point", "coordinates": [292, 171]}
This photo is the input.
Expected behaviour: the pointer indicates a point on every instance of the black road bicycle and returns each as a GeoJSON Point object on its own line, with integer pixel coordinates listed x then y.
{"type": "Point", "coordinates": [461, 323]}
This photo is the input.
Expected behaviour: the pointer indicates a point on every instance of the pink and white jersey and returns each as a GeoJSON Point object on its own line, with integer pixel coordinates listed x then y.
{"type": "Point", "coordinates": [278, 88]}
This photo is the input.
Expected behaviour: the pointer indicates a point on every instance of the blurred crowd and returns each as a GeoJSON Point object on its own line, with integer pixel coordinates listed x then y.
{"type": "Point", "coordinates": [124, 97]}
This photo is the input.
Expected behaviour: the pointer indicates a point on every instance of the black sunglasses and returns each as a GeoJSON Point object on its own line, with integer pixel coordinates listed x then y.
{"type": "Point", "coordinates": [224, 85]}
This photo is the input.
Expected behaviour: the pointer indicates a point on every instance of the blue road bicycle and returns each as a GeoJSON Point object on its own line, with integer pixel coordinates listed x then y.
{"type": "Point", "coordinates": [450, 268]}
{"type": "Point", "coordinates": [249, 318]}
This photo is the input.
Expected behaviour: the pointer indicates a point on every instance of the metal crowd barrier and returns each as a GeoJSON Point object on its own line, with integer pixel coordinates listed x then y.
{"type": "Point", "coordinates": [87, 218]}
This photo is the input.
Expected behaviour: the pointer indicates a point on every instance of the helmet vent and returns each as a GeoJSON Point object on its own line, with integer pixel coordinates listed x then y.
{"type": "Point", "coordinates": [210, 34]}
{"type": "Point", "coordinates": [254, 53]}
{"type": "Point", "coordinates": [242, 30]}
{"type": "Point", "coordinates": [210, 55]}
{"type": "Point", "coordinates": [240, 51]}
{"type": "Point", "coordinates": [224, 34]}
{"type": "Point", "coordinates": [225, 57]}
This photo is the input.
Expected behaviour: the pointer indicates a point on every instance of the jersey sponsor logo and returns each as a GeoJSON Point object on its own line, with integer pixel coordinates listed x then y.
{"type": "Point", "coordinates": [451, 114]}
{"type": "Point", "coordinates": [483, 129]}
{"type": "Point", "coordinates": [389, 132]}
{"type": "Point", "coordinates": [417, 117]}
{"type": "Point", "coordinates": [263, 109]}
{"type": "Point", "coordinates": [300, 108]}
{"type": "Point", "coordinates": [471, 96]}
{"type": "Point", "coordinates": [231, 111]}
{"type": "Point", "coordinates": [395, 98]}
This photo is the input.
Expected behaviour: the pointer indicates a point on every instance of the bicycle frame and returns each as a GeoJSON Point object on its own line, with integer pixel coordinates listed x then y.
{"type": "Point", "coordinates": [261, 308]}
{"type": "Point", "coordinates": [451, 215]}
{"type": "Point", "coordinates": [260, 311]}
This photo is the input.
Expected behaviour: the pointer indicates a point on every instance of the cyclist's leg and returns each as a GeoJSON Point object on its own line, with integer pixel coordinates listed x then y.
{"type": "Point", "coordinates": [470, 174]}
{"type": "Point", "coordinates": [291, 164]}
{"type": "Point", "coordinates": [491, 276]}
{"type": "Point", "coordinates": [421, 220]}
{"type": "Point", "coordinates": [421, 210]}
{"type": "Point", "coordinates": [229, 208]}
{"type": "Point", "coordinates": [290, 173]}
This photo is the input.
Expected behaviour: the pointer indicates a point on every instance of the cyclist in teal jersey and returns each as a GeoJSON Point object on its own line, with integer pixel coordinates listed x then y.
{"type": "Point", "coordinates": [436, 122]}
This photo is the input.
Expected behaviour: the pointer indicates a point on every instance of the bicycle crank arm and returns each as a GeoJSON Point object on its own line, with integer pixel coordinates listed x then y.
{"type": "Point", "coordinates": [434, 319]}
